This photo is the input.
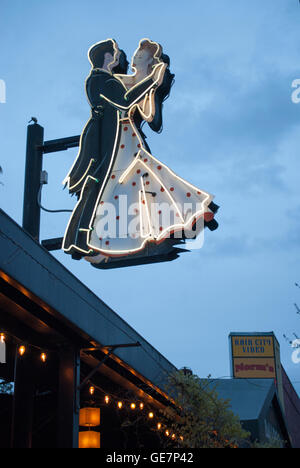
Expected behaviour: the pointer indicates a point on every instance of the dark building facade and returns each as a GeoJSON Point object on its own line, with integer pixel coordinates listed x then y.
{"type": "Point", "coordinates": [256, 403]}
{"type": "Point", "coordinates": [72, 341]}
{"type": "Point", "coordinates": [292, 409]}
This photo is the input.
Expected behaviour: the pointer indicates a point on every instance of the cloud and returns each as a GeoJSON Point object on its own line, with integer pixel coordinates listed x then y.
{"type": "Point", "coordinates": [225, 117]}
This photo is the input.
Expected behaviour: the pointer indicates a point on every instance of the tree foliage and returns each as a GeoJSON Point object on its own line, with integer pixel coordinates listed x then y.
{"type": "Point", "coordinates": [201, 419]}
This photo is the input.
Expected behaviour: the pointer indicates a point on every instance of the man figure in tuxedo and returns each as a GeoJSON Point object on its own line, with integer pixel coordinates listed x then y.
{"type": "Point", "coordinates": [99, 141]}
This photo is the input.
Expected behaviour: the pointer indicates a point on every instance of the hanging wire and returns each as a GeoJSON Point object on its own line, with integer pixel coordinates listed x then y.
{"type": "Point", "coordinates": [20, 342]}
{"type": "Point", "coordinates": [39, 199]}
{"type": "Point", "coordinates": [145, 412]}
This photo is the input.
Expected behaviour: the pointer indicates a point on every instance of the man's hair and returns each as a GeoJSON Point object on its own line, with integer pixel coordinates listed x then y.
{"type": "Point", "coordinates": [97, 52]}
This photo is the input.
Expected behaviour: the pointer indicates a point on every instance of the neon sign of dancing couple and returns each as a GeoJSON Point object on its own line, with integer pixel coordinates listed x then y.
{"type": "Point", "coordinates": [115, 176]}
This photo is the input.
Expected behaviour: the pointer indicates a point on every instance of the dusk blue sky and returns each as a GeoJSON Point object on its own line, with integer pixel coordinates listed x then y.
{"type": "Point", "coordinates": [230, 127]}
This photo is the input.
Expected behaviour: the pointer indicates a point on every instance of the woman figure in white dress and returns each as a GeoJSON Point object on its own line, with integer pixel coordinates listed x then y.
{"type": "Point", "coordinates": [143, 200]}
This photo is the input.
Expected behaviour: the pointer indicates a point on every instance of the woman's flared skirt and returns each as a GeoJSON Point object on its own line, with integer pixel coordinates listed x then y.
{"type": "Point", "coordinates": [144, 201]}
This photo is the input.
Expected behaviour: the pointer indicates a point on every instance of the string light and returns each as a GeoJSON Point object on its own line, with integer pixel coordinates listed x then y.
{"type": "Point", "coordinates": [141, 405]}
{"type": "Point", "coordinates": [133, 406]}
{"type": "Point", "coordinates": [44, 357]}
{"type": "Point", "coordinates": [22, 350]}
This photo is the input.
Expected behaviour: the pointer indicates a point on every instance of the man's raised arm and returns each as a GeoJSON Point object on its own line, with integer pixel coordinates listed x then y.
{"type": "Point", "coordinates": [125, 100]}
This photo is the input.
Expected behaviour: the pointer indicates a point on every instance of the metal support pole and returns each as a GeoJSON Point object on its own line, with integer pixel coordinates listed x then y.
{"type": "Point", "coordinates": [68, 395]}
{"type": "Point", "coordinates": [111, 349]}
{"type": "Point", "coordinates": [34, 162]}
{"type": "Point", "coordinates": [93, 372]}
{"type": "Point", "coordinates": [23, 404]}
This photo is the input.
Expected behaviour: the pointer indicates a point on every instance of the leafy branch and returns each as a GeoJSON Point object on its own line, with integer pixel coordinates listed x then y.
{"type": "Point", "coordinates": [201, 419]}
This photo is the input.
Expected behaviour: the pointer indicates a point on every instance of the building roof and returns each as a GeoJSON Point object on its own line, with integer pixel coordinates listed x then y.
{"type": "Point", "coordinates": [248, 397]}
{"type": "Point", "coordinates": [70, 304]}
{"type": "Point", "coordinates": [271, 333]}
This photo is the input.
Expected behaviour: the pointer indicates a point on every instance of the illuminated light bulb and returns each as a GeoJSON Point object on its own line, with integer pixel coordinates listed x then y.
{"type": "Point", "coordinates": [2, 338]}
{"type": "Point", "coordinates": [106, 399]}
{"type": "Point", "coordinates": [151, 415]}
{"type": "Point", "coordinates": [180, 437]}
{"type": "Point", "coordinates": [92, 390]}
{"type": "Point", "coordinates": [133, 406]}
{"type": "Point", "coordinates": [44, 357]}
{"type": "Point", "coordinates": [159, 426]}
{"type": "Point", "coordinates": [167, 433]}
{"type": "Point", "coordinates": [22, 350]}
{"type": "Point", "coordinates": [173, 436]}
{"type": "Point", "coordinates": [120, 404]}
{"type": "Point", "coordinates": [141, 406]}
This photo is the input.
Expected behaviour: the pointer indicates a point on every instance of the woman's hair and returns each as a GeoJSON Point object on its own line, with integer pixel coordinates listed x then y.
{"type": "Point", "coordinates": [122, 67]}
{"type": "Point", "coordinates": [162, 93]}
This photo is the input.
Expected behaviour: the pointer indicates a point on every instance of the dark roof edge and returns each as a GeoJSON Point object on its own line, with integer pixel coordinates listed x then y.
{"type": "Point", "coordinates": [102, 317]}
